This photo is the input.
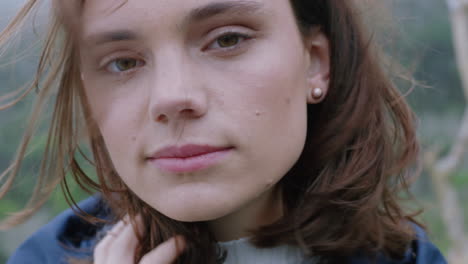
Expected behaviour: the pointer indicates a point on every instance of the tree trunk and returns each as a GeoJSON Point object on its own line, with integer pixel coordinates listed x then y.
{"type": "Point", "coordinates": [441, 169]}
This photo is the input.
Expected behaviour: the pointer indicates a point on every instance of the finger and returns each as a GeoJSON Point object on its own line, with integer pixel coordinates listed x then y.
{"type": "Point", "coordinates": [102, 248]}
{"type": "Point", "coordinates": [122, 249]}
{"type": "Point", "coordinates": [166, 253]}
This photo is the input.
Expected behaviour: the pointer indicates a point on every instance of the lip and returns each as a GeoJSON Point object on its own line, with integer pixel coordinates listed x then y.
{"type": "Point", "coordinates": [188, 158]}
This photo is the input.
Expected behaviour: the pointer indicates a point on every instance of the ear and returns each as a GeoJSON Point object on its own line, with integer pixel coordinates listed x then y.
{"type": "Point", "coordinates": [318, 66]}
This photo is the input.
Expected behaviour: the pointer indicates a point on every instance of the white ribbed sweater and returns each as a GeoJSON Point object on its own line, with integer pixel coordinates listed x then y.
{"type": "Point", "coordinates": [241, 251]}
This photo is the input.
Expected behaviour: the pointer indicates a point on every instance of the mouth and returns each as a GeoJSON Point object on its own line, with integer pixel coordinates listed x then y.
{"type": "Point", "coordinates": [188, 158]}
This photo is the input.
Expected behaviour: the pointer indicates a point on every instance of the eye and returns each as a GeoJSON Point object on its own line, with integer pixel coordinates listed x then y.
{"type": "Point", "coordinates": [121, 65]}
{"type": "Point", "coordinates": [229, 40]}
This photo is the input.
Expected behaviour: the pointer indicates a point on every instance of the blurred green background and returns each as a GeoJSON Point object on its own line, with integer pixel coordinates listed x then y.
{"type": "Point", "coordinates": [423, 43]}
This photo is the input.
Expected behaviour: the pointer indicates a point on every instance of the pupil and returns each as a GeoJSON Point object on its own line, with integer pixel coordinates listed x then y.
{"type": "Point", "coordinates": [125, 64]}
{"type": "Point", "coordinates": [228, 41]}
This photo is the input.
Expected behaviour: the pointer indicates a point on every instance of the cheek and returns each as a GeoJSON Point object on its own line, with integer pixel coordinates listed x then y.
{"type": "Point", "coordinates": [116, 115]}
{"type": "Point", "coordinates": [269, 88]}
{"type": "Point", "coordinates": [107, 102]}
{"type": "Point", "coordinates": [114, 103]}
{"type": "Point", "coordinates": [267, 105]}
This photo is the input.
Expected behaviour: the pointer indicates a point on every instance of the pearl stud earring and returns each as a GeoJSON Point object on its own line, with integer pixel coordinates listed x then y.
{"type": "Point", "coordinates": [315, 94]}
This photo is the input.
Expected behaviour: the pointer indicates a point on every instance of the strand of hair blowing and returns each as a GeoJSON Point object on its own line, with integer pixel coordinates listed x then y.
{"type": "Point", "coordinates": [202, 246]}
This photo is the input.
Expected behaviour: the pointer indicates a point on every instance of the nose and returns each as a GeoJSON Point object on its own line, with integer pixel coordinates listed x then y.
{"type": "Point", "coordinates": [173, 109]}
{"type": "Point", "coordinates": [177, 94]}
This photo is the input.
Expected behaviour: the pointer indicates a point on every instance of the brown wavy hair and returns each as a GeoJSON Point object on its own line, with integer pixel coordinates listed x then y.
{"type": "Point", "coordinates": [341, 197]}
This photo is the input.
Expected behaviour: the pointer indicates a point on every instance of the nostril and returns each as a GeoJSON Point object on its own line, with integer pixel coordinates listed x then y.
{"type": "Point", "coordinates": [187, 112]}
{"type": "Point", "coordinates": [172, 109]}
{"type": "Point", "coordinates": [162, 119]}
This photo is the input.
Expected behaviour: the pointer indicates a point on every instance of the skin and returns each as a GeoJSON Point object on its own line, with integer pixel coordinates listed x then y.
{"type": "Point", "coordinates": [174, 81]}
{"type": "Point", "coordinates": [118, 245]}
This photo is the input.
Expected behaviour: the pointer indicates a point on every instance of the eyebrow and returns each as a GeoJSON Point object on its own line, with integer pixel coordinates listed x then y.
{"type": "Point", "coordinates": [196, 15]}
{"type": "Point", "coordinates": [113, 36]}
{"type": "Point", "coordinates": [222, 8]}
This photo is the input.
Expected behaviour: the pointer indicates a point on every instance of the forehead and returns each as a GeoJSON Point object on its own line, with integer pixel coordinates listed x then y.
{"type": "Point", "coordinates": [100, 15]}
{"type": "Point", "coordinates": [104, 7]}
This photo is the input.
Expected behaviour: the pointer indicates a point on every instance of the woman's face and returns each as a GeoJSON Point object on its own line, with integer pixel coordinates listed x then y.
{"type": "Point", "coordinates": [201, 103]}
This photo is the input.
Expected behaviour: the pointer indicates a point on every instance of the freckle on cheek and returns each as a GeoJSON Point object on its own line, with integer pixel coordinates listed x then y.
{"type": "Point", "coordinates": [288, 101]}
{"type": "Point", "coordinates": [134, 138]}
{"type": "Point", "coordinates": [258, 113]}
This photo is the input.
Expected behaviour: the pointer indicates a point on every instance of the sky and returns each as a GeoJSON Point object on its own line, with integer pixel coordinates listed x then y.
{"type": "Point", "coordinates": [8, 9]}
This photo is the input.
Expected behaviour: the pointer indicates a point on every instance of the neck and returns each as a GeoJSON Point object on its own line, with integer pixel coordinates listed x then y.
{"type": "Point", "coordinates": [264, 210]}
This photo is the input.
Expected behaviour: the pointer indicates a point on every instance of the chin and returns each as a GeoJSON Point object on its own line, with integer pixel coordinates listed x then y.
{"type": "Point", "coordinates": [197, 210]}
{"type": "Point", "coordinates": [199, 214]}
{"type": "Point", "coordinates": [196, 202]}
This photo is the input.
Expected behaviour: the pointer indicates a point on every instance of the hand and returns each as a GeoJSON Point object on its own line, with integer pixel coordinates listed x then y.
{"type": "Point", "coordinates": [118, 247]}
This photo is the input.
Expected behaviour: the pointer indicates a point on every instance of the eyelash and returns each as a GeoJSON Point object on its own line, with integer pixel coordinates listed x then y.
{"type": "Point", "coordinates": [227, 51]}
{"type": "Point", "coordinates": [242, 38]}
{"type": "Point", "coordinates": [139, 62]}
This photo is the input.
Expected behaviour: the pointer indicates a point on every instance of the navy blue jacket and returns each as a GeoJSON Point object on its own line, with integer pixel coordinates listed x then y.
{"type": "Point", "coordinates": [68, 236]}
